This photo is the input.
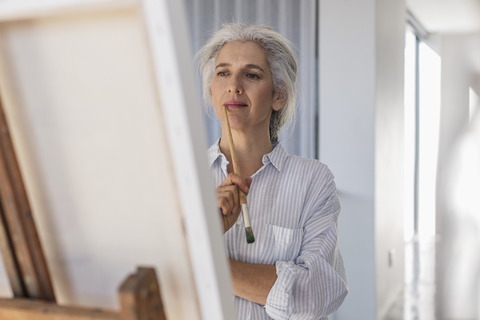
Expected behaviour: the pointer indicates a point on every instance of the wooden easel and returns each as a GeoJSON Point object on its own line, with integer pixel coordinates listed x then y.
{"type": "Point", "coordinates": [27, 270]}
{"type": "Point", "coordinates": [139, 298]}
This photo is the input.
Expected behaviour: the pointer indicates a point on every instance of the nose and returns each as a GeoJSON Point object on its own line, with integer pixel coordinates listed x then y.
{"type": "Point", "coordinates": [235, 86]}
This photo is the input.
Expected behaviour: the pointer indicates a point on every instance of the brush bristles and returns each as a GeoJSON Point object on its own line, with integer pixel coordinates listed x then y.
{"type": "Point", "coordinates": [249, 233]}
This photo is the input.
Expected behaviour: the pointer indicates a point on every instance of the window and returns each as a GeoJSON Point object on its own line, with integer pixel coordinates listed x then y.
{"type": "Point", "coordinates": [422, 120]}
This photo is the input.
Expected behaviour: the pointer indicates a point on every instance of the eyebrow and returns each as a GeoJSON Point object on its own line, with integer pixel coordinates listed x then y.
{"type": "Point", "coordinates": [248, 66]}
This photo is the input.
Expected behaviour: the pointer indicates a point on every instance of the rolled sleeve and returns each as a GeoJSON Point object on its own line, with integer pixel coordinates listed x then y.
{"type": "Point", "coordinates": [280, 299]}
{"type": "Point", "coordinates": [314, 285]}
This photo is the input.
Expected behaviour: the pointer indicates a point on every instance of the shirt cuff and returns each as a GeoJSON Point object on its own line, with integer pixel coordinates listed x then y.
{"type": "Point", "coordinates": [280, 299]}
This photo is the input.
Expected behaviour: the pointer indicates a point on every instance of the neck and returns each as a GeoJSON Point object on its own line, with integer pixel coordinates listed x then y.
{"type": "Point", "coordinates": [250, 150]}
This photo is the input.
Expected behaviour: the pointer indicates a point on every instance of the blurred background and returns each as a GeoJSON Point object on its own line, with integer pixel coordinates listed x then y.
{"type": "Point", "coordinates": [388, 98]}
{"type": "Point", "coordinates": [387, 93]}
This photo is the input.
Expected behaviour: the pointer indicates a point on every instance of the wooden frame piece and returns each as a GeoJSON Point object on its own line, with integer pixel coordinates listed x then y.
{"type": "Point", "coordinates": [29, 309]}
{"type": "Point", "coordinates": [11, 10]}
{"type": "Point", "coordinates": [139, 297]}
{"type": "Point", "coordinates": [21, 249]}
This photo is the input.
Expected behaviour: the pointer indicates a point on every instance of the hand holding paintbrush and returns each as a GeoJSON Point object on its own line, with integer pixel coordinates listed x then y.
{"type": "Point", "coordinates": [242, 196]}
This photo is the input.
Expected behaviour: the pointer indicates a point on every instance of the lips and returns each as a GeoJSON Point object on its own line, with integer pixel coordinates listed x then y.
{"type": "Point", "coordinates": [235, 104]}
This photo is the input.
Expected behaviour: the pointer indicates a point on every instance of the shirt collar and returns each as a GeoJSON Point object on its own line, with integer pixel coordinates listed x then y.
{"type": "Point", "coordinates": [276, 157]}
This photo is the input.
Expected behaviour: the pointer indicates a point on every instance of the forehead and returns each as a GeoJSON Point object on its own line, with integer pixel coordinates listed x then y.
{"type": "Point", "coordinates": [242, 53]}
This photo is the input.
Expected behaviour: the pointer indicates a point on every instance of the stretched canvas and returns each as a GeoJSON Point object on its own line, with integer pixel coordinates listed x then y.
{"type": "Point", "coordinates": [105, 120]}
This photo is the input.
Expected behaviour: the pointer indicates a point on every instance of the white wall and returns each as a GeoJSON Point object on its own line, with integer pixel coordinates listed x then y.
{"type": "Point", "coordinates": [389, 158]}
{"type": "Point", "coordinates": [361, 118]}
{"type": "Point", "coordinates": [460, 55]}
{"type": "Point", "coordinates": [457, 203]}
{"type": "Point", "coordinates": [457, 74]}
{"type": "Point", "coordinates": [347, 139]}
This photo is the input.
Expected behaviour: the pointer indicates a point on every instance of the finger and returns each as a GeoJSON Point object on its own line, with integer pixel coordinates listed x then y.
{"type": "Point", "coordinates": [233, 198]}
{"type": "Point", "coordinates": [228, 200]}
{"type": "Point", "coordinates": [233, 189]}
{"type": "Point", "coordinates": [228, 180]}
{"type": "Point", "coordinates": [233, 178]}
{"type": "Point", "coordinates": [224, 205]}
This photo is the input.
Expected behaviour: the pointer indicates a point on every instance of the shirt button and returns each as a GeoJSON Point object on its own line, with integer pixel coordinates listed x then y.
{"type": "Point", "coordinates": [239, 222]}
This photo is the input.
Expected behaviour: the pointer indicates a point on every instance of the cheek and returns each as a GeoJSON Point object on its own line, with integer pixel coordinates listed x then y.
{"type": "Point", "coordinates": [265, 98]}
{"type": "Point", "coordinates": [214, 90]}
{"type": "Point", "coordinates": [215, 100]}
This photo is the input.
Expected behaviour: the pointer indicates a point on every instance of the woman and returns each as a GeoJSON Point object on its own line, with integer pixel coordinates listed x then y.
{"type": "Point", "coordinates": [294, 269]}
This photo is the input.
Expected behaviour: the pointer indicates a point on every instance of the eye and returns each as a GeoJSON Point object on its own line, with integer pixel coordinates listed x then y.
{"type": "Point", "coordinates": [252, 76]}
{"type": "Point", "coordinates": [222, 73]}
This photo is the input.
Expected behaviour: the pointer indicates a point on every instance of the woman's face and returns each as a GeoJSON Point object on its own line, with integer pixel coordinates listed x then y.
{"type": "Point", "coordinates": [243, 82]}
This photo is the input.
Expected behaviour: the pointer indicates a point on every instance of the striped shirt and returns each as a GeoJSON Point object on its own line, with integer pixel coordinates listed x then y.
{"type": "Point", "coordinates": [294, 213]}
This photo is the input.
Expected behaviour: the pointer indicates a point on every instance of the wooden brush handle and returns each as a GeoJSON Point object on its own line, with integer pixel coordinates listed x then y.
{"type": "Point", "coordinates": [236, 169]}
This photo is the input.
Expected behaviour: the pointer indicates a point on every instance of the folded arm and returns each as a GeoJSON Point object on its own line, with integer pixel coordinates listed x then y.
{"type": "Point", "coordinates": [252, 282]}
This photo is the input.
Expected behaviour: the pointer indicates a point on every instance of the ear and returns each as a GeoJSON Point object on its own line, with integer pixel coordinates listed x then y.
{"type": "Point", "coordinates": [279, 99]}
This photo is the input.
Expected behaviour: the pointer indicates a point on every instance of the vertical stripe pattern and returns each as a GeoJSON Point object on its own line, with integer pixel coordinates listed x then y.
{"type": "Point", "coordinates": [294, 212]}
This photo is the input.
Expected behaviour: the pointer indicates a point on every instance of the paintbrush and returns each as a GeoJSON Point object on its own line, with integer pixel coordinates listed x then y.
{"type": "Point", "coordinates": [242, 196]}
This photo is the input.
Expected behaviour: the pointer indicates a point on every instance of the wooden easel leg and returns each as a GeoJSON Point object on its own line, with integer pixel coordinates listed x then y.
{"type": "Point", "coordinates": [9, 260]}
{"type": "Point", "coordinates": [140, 298]}
{"type": "Point", "coordinates": [21, 249]}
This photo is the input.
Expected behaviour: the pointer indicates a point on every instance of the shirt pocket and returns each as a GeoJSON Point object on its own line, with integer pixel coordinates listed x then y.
{"type": "Point", "coordinates": [283, 243]}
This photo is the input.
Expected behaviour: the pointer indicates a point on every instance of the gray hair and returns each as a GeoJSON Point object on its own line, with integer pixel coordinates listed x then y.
{"type": "Point", "coordinates": [281, 59]}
